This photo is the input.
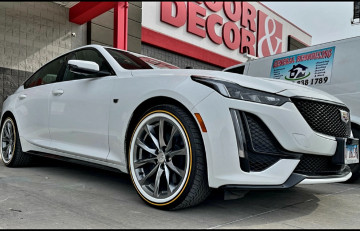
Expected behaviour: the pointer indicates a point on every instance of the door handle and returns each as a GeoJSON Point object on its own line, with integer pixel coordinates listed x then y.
{"type": "Point", "coordinates": [22, 96]}
{"type": "Point", "coordinates": [58, 92]}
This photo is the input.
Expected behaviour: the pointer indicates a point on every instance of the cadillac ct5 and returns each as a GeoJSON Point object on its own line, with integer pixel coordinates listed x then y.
{"type": "Point", "coordinates": [178, 133]}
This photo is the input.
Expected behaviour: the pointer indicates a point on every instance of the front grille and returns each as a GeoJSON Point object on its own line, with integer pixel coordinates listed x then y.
{"type": "Point", "coordinates": [323, 117]}
{"type": "Point", "coordinates": [315, 165]}
{"type": "Point", "coordinates": [262, 141]}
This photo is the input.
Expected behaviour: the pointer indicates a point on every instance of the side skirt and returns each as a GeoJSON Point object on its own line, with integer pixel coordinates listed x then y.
{"type": "Point", "coordinates": [75, 161]}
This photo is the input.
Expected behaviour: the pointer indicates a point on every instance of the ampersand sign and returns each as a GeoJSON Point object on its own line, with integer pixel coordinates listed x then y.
{"type": "Point", "coordinates": [269, 36]}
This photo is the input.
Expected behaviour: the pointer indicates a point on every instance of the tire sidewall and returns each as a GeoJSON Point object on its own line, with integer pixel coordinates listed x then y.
{"type": "Point", "coordinates": [9, 163]}
{"type": "Point", "coordinates": [172, 111]}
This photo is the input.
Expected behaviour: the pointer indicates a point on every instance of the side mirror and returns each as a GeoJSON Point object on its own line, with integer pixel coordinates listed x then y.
{"type": "Point", "coordinates": [86, 68]}
{"type": "Point", "coordinates": [83, 67]}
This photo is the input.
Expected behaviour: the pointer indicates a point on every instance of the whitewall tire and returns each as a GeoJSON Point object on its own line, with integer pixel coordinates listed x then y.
{"type": "Point", "coordinates": [167, 159]}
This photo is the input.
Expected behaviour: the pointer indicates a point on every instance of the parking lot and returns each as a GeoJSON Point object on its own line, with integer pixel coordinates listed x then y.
{"type": "Point", "coordinates": [55, 194]}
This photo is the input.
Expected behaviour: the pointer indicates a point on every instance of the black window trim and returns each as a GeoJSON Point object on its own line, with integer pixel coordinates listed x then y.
{"type": "Point", "coordinates": [62, 74]}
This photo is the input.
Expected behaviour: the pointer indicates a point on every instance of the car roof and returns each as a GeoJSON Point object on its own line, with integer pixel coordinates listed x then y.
{"type": "Point", "coordinates": [108, 47]}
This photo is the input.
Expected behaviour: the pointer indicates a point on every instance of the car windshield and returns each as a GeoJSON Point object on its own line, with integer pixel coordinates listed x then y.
{"type": "Point", "coordinates": [133, 61]}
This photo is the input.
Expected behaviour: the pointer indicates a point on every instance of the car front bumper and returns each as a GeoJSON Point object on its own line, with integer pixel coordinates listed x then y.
{"type": "Point", "coordinates": [287, 126]}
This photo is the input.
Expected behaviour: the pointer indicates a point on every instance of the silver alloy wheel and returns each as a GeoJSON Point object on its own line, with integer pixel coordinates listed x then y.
{"type": "Point", "coordinates": [159, 157]}
{"type": "Point", "coordinates": [8, 139]}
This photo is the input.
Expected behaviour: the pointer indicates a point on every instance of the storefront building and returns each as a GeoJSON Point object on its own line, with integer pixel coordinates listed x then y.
{"type": "Point", "coordinates": [205, 35]}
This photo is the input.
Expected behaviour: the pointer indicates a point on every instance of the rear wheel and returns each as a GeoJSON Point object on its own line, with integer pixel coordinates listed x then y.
{"type": "Point", "coordinates": [11, 152]}
{"type": "Point", "coordinates": [167, 159]}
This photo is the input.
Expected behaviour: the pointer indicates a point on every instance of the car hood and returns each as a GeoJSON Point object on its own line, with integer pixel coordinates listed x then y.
{"type": "Point", "coordinates": [281, 87]}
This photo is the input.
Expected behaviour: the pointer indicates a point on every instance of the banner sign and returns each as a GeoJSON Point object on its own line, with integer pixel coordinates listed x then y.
{"type": "Point", "coordinates": [310, 68]}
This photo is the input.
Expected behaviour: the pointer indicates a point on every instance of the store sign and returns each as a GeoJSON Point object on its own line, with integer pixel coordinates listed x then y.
{"type": "Point", "coordinates": [310, 68]}
{"type": "Point", "coordinates": [237, 25]}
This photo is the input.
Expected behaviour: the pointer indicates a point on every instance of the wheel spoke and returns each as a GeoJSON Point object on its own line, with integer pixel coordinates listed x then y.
{"type": "Point", "coordinates": [7, 151]}
{"type": "Point", "coordinates": [167, 175]}
{"type": "Point", "coordinates": [180, 152]}
{"type": "Point", "coordinates": [10, 148]}
{"type": "Point", "coordinates": [5, 139]}
{"type": "Point", "coordinates": [161, 133]}
{"type": "Point", "coordinates": [140, 163]}
{"type": "Point", "coordinates": [169, 144]}
{"type": "Point", "coordinates": [144, 147]}
{"type": "Point", "coordinates": [6, 132]}
{"type": "Point", "coordinates": [150, 130]}
{"type": "Point", "coordinates": [9, 130]}
{"type": "Point", "coordinates": [11, 133]}
{"type": "Point", "coordinates": [157, 181]}
{"type": "Point", "coordinates": [4, 145]}
{"type": "Point", "coordinates": [152, 172]}
{"type": "Point", "coordinates": [175, 169]}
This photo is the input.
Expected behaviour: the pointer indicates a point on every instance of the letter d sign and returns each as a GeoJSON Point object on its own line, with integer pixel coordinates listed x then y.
{"type": "Point", "coordinates": [166, 15]}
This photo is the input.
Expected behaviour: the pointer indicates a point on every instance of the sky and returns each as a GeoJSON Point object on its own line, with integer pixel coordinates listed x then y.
{"type": "Point", "coordinates": [325, 21]}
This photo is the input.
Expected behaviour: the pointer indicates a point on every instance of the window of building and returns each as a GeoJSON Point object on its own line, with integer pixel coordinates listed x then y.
{"type": "Point", "coordinates": [294, 44]}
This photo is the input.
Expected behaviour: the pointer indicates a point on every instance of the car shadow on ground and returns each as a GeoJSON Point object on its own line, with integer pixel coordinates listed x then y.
{"type": "Point", "coordinates": [280, 205]}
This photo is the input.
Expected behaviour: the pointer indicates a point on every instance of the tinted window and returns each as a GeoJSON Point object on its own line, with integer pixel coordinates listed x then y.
{"type": "Point", "coordinates": [157, 64]}
{"type": "Point", "coordinates": [127, 60]}
{"type": "Point", "coordinates": [86, 55]}
{"type": "Point", "coordinates": [50, 73]}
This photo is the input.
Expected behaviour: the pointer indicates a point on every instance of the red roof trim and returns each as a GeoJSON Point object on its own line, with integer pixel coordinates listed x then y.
{"type": "Point", "coordinates": [85, 11]}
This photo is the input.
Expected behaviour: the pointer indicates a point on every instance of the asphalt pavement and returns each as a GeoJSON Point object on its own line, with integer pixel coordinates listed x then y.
{"type": "Point", "coordinates": [59, 195]}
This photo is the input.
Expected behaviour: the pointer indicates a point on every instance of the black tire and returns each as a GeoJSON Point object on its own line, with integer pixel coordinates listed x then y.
{"type": "Point", "coordinates": [195, 188]}
{"type": "Point", "coordinates": [355, 168]}
{"type": "Point", "coordinates": [18, 158]}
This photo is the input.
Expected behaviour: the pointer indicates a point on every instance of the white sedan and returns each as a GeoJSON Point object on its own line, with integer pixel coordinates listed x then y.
{"type": "Point", "coordinates": [178, 133]}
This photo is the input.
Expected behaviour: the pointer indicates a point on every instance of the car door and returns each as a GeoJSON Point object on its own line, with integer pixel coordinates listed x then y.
{"type": "Point", "coordinates": [79, 109]}
{"type": "Point", "coordinates": [32, 105]}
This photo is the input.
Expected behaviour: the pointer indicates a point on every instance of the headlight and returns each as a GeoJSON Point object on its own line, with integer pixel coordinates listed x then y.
{"type": "Point", "coordinates": [235, 91]}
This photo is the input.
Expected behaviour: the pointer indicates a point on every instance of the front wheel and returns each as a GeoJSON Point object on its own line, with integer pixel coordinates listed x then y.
{"type": "Point", "coordinates": [167, 159]}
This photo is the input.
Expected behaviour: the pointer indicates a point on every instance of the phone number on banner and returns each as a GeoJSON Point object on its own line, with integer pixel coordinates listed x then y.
{"type": "Point", "coordinates": [314, 81]}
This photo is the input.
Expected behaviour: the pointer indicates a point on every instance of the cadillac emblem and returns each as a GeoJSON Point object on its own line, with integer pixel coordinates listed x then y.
{"type": "Point", "coordinates": [345, 117]}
